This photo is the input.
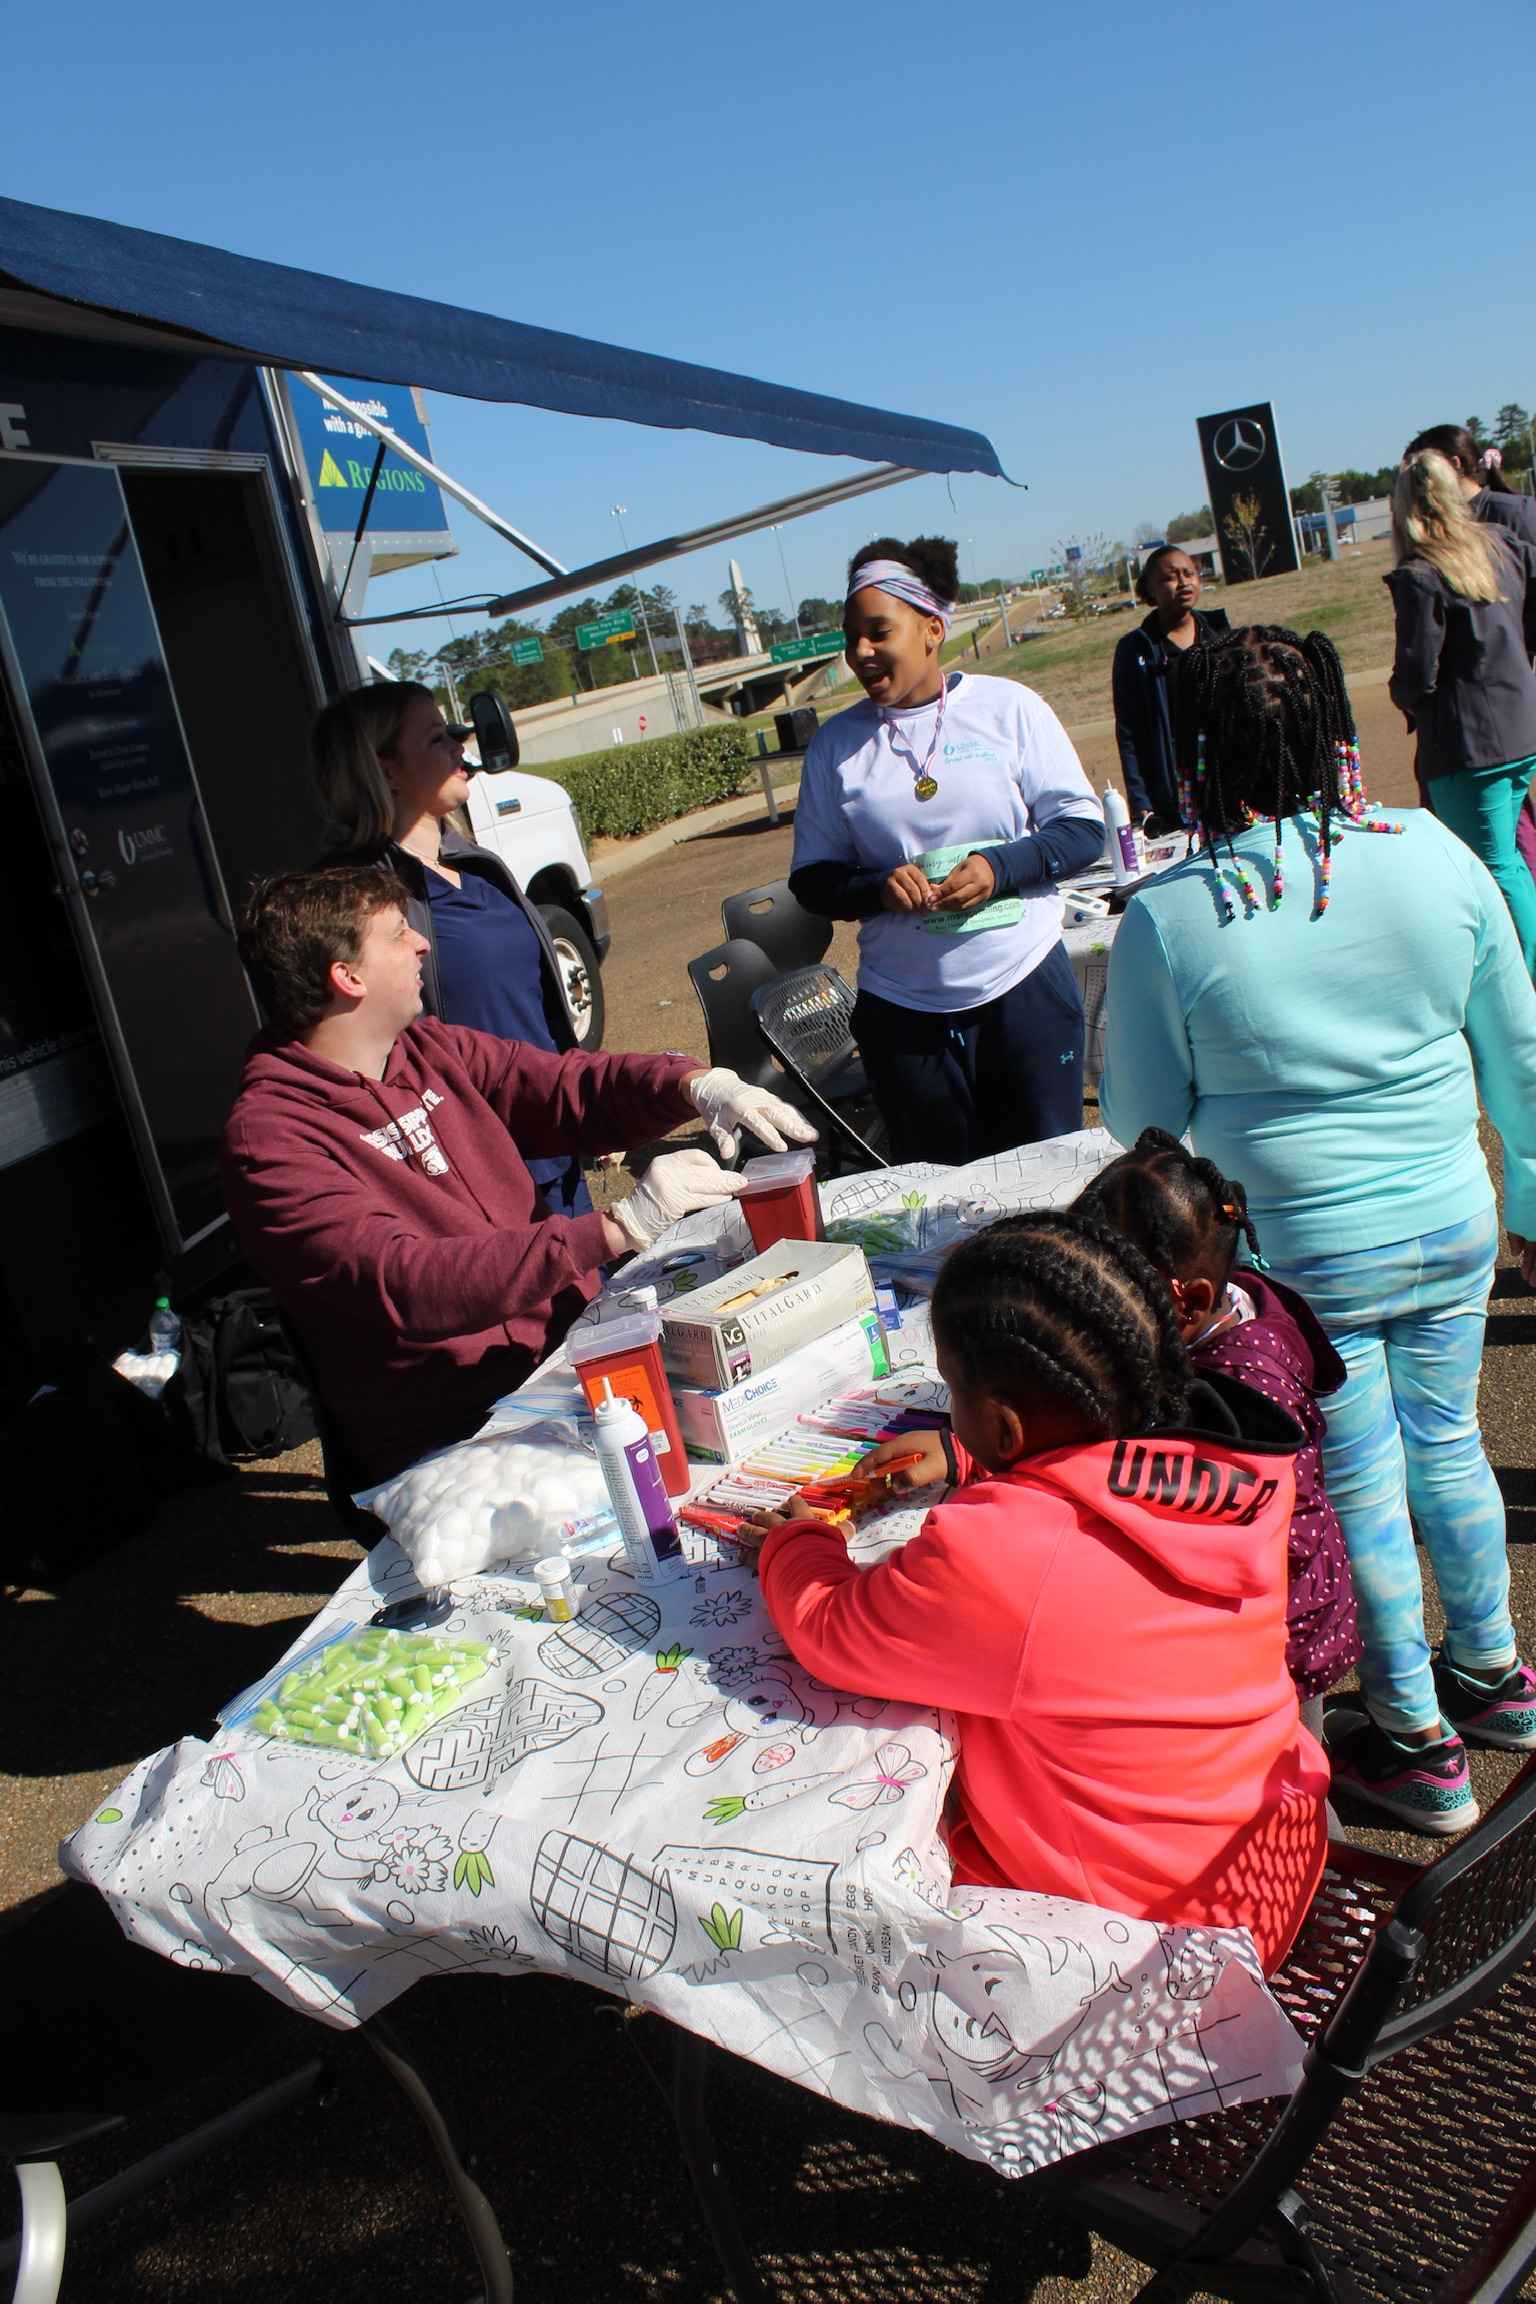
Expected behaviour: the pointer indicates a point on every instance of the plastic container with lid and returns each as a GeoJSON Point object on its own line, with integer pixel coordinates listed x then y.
{"type": "Point", "coordinates": [558, 1588]}
{"type": "Point", "coordinates": [626, 1355]}
{"type": "Point", "coordinates": [780, 1201]}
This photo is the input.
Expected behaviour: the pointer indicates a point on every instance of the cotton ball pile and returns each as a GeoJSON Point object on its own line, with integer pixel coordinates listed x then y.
{"type": "Point", "coordinates": [491, 1500]}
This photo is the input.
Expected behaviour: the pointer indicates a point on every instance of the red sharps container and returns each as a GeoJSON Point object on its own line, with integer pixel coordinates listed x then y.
{"type": "Point", "coordinates": [781, 1201]}
{"type": "Point", "coordinates": [627, 1352]}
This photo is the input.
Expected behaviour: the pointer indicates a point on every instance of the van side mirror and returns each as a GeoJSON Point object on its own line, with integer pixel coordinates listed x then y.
{"type": "Point", "coordinates": [494, 732]}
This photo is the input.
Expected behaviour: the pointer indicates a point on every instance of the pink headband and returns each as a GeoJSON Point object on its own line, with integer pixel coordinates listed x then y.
{"type": "Point", "coordinates": [895, 577]}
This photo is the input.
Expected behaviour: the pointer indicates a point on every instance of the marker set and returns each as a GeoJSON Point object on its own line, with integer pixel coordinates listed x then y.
{"type": "Point", "coordinates": [817, 1456]}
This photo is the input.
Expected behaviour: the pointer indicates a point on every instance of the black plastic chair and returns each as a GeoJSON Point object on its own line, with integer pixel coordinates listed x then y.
{"type": "Point", "coordinates": [805, 1017]}
{"type": "Point", "coordinates": [98, 2036]}
{"type": "Point", "coordinates": [777, 921]}
{"type": "Point", "coordinates": [171, 2065]}
{"type": "Point", "coordinates": [725, 979]}
{"type": "Point", "coordinates": [1402, 2171]}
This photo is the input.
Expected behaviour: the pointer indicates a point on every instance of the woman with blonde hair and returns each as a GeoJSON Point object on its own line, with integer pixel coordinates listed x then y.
{"type": "Point", "coordinates": [1464, 598]}
{"type": "Point", "coordinates": [391, 774]}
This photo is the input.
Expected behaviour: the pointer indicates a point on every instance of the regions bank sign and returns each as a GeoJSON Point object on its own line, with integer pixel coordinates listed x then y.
{"type": "Point", "coordinates": [406, 520]}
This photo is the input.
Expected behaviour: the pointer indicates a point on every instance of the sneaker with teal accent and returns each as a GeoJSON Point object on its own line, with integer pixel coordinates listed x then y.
{"type": "Point", "coordinates": [1499, 1712]}
{"type": "Point", "coordinates": [1424, 1787]}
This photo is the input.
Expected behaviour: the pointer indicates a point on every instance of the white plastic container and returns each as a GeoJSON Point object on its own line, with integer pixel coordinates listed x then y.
{"type": "Point", "coordinates": [1119, 839]}
{"type": "Point", "coordinates": [557, 1586]}
{"type": "Point", "coordinates": [636, 1490]}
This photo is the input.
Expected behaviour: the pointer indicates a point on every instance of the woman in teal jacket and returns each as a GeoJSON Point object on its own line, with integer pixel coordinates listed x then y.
{"type": "Point", "coordinates": [1319, 996]}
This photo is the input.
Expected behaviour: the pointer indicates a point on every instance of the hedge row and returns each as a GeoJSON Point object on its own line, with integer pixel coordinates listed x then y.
{"type": "Point", "coordinates": [632, 787]}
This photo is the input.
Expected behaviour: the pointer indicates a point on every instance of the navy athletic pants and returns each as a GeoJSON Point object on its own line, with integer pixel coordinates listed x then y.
{"type": "Point", "coordinates": [955, 1087]}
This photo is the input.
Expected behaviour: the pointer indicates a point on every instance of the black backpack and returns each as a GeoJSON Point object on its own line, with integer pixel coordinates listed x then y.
{"type": "Point", "coordinates": [240, 1390]}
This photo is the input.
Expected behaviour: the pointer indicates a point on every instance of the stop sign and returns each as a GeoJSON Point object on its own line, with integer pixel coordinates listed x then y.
{"type": "Point", "coordinates": [641, 723]}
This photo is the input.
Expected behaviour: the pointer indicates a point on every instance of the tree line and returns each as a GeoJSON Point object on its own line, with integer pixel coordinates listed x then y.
{"type": "Point", "coordinates": [487, 659]}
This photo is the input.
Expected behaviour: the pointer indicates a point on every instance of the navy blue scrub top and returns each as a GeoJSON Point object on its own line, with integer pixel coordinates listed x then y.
{"type": "Point", "coordinates": [490, 973]}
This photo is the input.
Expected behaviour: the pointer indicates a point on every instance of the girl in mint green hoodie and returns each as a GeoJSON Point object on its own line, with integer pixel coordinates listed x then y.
{"type": "Point", "coordinates": [1319, 995]}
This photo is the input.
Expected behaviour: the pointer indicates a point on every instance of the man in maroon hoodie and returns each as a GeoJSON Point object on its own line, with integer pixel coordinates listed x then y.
{"type": "Point", "coordinates": [374, 1169]}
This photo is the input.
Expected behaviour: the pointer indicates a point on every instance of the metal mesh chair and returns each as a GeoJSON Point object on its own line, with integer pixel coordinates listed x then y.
{"type": "Point", "coordinates": [1094, 979]}
{"type": "Point", "coordinates": [779, 923]}
{"type": "Point", "coordinates": [1403, 2170]}
{"type": "Point", "coordinates": [804, 1017]}
{"type": "Point", "coordinates": [729, 980]}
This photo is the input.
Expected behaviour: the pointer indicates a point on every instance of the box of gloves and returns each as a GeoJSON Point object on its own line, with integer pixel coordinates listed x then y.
{"type": "Point", "coordinates": [751, 1318]}
{"type": "Point", "coordinates": [722, 1425]}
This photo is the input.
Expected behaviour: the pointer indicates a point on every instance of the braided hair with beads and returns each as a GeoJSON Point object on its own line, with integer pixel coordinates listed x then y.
{"type": "Point", "coordinates": [1178, 1209]}
{"type": "Point", "coordinates": [1263, 728]}
{"type": "Point", "coordinates": [1062, 1303]}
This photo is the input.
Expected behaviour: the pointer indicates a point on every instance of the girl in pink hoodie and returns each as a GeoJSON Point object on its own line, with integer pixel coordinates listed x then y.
{"type": "Point", "coordinates": [1099, 1599]}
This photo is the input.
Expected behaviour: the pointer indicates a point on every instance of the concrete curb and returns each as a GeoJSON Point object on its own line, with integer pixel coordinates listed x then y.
{"type": "Point", "coordinates": [612, 858]}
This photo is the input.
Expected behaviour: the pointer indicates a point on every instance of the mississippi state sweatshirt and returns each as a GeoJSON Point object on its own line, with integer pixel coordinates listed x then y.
{"type": "Point", "coordinates": [397, 1224]}
{"type": "Point", "coordinates": [1107, 1624]}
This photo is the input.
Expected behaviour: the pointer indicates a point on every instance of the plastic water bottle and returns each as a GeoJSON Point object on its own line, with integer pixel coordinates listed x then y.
{"type": "Point", "coordinates": [1119, 839]}
{"type": "Point", "coordinates": [164, 1327]}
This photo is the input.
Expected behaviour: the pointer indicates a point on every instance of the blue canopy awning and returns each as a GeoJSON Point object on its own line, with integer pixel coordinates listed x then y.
{"type": "Point", "coordinates": [240, 307]}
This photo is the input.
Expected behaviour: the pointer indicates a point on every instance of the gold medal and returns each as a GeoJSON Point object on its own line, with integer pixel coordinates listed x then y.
{"type": "Point", "coordinates": [925, 788]}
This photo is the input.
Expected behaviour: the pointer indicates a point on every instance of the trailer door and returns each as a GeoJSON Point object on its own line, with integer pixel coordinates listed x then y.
{"type": "Point", "coordinates": [136, 868]}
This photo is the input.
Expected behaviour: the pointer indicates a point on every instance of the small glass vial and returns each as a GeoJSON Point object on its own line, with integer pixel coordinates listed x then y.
{"type": "Point", "coordinates": [558, 1587]}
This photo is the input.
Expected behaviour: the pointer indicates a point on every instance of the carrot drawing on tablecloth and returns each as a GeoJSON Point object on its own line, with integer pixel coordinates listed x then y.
{"type": "Point", "coordinates": [662, 1679]}
{"type": "Point", "coordinates": [727, 1806]}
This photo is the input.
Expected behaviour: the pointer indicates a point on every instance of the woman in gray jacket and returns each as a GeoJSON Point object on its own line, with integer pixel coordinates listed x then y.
{"type": "Point", "coordinates": [1464, 597]}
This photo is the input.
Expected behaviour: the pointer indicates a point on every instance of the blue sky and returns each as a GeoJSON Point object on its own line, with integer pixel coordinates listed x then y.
{"type": "Point", "coordinates": [1073, 229]}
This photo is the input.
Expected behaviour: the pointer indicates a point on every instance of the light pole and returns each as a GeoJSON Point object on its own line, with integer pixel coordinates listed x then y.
{"type": "Point", "coordinates": [618, 511]}
{"type": "Point", "coordinates": [794, 612]}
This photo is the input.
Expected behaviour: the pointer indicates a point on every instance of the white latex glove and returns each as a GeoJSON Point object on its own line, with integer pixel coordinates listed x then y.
{"type": "Point", "coordinates": [728, 1102]}
{"type": "Point", "coordinates": [671, 1187]}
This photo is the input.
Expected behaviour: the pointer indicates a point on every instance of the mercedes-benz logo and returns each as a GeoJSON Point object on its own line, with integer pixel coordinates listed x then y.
{"type": "Point", "coordinates": [1239, 444]}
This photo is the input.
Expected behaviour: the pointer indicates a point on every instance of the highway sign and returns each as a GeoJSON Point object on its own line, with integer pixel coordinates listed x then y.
{"type": "Point", "coordinates": [795, 651]}
{"type": "Point", "coordinates": [527, 651]}
{"type": "Point", "coordinates": [618, 624]}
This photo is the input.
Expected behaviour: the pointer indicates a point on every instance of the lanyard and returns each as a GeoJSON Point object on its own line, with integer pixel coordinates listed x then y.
{"type": "Point", "coordinates": [924, 783]}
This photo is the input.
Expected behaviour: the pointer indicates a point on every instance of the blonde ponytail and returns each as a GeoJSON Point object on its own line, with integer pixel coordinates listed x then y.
{"type": "Point", "coordinates": [1430, 521]}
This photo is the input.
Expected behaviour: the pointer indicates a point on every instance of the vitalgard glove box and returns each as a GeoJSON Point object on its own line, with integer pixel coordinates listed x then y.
{"type": "Point", "coordinates": [751, 1318]}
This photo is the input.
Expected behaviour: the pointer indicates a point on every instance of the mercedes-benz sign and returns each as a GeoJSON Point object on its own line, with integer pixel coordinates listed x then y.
{"type": "Point", "coordinates": [1250, 506]}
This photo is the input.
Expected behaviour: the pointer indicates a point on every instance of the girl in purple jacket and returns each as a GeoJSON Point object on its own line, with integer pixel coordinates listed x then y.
{"type": "Point", "coordinates": [1186, 1217]}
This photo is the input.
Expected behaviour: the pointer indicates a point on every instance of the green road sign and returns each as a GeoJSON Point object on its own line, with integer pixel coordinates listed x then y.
{"type": "Point", "coordinates": [618, 624]}
{"type": "Point", "coordinates": [527, 651]}
{"type": "Point", "coordinates": [1037, 575]}
{"type": "Point", "coordinates": [795, 651]}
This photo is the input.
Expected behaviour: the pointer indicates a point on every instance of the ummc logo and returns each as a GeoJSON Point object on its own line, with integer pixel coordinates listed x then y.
{"type": "Point", "coordinates": [144, 845]}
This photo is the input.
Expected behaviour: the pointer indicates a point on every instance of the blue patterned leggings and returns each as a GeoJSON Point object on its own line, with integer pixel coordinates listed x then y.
{"type": "Point", "coordinates": [1408, 1323]}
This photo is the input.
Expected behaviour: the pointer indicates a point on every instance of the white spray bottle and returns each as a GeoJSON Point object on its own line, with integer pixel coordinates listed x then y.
{"type": "Point", "coordinates": [1119, 839]}
{"type": "Point", "coordinates": [636, 1490]}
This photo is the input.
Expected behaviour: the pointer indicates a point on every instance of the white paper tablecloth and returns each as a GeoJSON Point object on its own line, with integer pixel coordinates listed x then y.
{"type": "Point", "coordinates": [657, 1800]}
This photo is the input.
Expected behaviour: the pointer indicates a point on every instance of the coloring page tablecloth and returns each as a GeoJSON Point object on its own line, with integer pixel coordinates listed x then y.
{"type": "Point", "coordinates": [655, 1799]}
